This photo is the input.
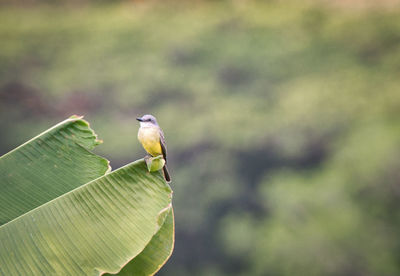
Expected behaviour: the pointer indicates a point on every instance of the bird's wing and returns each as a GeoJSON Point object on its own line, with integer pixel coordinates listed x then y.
{"type": "Point", "coordinates": [163, 145]}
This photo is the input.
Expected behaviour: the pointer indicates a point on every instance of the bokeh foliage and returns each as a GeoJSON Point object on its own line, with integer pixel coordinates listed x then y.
{"type": "Point", "coordinates": [281, 118]}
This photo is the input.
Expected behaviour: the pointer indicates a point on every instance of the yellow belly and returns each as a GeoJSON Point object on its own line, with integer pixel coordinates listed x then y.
{"type": "Point", "coordinates": [149, 137]}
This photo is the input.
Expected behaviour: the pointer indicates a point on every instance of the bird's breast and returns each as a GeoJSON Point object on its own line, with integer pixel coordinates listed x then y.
{"type": "Point", "coordinates": [149, 137]}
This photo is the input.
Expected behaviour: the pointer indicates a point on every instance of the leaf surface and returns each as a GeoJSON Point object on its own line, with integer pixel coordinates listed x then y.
{"type": "Point", "coordinates": [156, 253]}
{"type": "Point", "coordinates": [49, 165]}
{"type": "Point", "coordinates": [94, 229]}
{"type": "Point", "coordinates": [52, 223]}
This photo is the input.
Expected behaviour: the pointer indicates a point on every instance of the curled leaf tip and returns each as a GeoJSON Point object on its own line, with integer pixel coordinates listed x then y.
{"type": "Point", "coordinates": [99, 141]}
{"type": "Point", "coordinates": [75, 117]}
{"type": "Point", "coordinates": [154, 163]}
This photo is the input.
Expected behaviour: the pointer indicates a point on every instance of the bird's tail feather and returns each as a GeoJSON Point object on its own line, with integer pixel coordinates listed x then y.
{"type": "Point", "coordinates": [166, 174]}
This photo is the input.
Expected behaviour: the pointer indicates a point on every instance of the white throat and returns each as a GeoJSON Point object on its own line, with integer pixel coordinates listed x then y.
{"type": "Point", "coordinates": [147, 124]}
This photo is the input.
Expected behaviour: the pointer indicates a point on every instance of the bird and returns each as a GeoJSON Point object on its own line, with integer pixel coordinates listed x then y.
{"type": "Point", "coordinates": [151, 136]}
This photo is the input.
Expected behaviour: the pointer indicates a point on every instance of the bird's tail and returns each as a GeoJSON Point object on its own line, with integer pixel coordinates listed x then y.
{"type": "Point", "coordinates": [166, 174]}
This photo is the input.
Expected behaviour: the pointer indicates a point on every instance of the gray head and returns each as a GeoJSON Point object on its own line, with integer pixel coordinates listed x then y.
{"type": "Point", "coordinates": [147, 120]}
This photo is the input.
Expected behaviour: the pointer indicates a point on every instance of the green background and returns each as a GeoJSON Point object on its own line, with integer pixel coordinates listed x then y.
{"type": "Point", "coordinates": [282, 119]}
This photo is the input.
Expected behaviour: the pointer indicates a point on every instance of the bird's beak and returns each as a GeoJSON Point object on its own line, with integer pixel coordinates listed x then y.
{"type": "Point", "coordinates": [139, 119]}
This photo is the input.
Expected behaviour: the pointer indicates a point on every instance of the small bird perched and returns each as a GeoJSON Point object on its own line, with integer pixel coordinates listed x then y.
{"type": "Point", "coordinates": [151, 137]}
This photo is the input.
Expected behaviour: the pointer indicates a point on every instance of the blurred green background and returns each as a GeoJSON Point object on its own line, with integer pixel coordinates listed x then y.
{"type": "Point", "coordinates": [282, 119]}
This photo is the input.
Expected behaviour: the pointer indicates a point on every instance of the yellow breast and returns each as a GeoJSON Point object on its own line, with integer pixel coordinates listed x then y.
{"type": "Point", "coordinates": [149, 137]}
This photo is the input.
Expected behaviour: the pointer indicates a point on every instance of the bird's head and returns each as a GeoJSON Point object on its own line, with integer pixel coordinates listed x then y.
{"type": "Point", "coordinates": [147, 120]}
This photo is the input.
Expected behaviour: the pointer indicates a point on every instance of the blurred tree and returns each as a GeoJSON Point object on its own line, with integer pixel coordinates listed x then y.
{"type": "Point", "coordinates": [281, 117]}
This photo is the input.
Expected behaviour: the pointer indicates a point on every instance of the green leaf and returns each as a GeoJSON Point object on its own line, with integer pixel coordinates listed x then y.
{"type": "Point", "coordinates": [156, 253]}
{"type": "Point", "coordinates": [154, 163]}
{"type": "Point", "coordinates": [47, 166]}
{"type": "Point", "coordinates": [94, 229]}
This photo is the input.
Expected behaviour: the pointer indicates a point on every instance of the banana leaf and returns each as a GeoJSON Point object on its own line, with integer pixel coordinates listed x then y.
{"type": "Point", "coordinates": [49, 165]}
{"type": "Point", "coordinates": [123, 218]}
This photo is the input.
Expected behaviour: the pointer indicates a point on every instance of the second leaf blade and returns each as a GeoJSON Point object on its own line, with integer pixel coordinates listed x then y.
{"type": "Point", "coordinates": [91, 230]}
